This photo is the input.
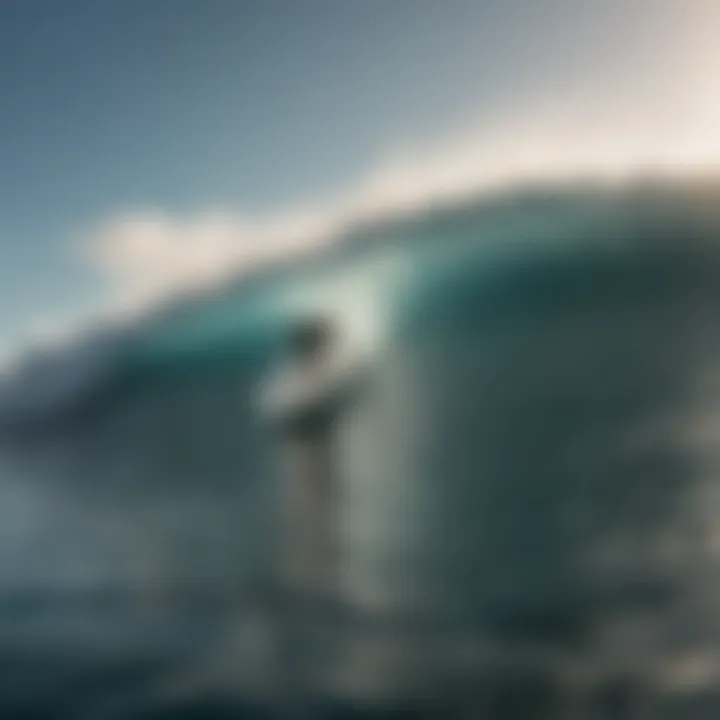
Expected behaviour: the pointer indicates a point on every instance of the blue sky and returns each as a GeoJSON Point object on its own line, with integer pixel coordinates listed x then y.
{"type": "Point", "coordinates": [246, 106]}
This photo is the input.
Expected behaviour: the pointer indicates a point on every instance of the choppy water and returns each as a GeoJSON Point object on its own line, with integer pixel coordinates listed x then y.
{"type": "Point", "coordinates": [529, 495]}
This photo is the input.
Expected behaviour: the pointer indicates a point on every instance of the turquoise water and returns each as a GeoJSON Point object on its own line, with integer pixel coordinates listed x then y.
{"type": "Point", "coordinates": [527, 484]}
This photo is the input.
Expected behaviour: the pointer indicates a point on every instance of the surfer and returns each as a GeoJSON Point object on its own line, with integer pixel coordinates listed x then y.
{"type": "Point", "coordinates": [304, 402]}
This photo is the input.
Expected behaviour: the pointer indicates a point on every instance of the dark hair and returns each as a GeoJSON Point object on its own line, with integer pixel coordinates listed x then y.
{"type": "Point", "coordinates": [309, 337]}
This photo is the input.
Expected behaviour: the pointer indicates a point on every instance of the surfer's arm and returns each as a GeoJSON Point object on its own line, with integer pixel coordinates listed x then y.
{"type": "Point", "coordinates": [289, 400]}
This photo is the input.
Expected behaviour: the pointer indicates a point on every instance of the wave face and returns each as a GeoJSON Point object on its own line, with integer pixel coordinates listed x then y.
{"type": "Point", "coordinates": [529, 495]}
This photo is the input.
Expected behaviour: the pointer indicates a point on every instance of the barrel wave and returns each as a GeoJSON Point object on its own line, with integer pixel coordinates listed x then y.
{"type": "Point", "coordinates": [529, 511]}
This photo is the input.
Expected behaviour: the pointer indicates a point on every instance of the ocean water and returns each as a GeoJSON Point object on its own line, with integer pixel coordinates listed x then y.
{"type": "Point", "coordinates": [528, 499]}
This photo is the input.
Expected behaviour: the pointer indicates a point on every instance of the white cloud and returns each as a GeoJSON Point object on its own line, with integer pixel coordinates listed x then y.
{"type": "Point", "coordinates": [155, 249]}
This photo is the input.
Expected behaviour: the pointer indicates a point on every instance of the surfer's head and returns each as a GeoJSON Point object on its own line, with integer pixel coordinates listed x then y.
{"type": "Point", "coordinates": [309, 339]}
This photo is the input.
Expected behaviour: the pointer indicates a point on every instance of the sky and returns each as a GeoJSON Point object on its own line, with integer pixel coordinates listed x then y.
{"type": "Point", "coordinates": [146, 141]}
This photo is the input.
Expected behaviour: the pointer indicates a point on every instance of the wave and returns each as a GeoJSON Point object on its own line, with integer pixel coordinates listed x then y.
{"type": "Point", "coordinates": [534, 461]}
{"type": "Point", "coordinates": [229, 314]}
